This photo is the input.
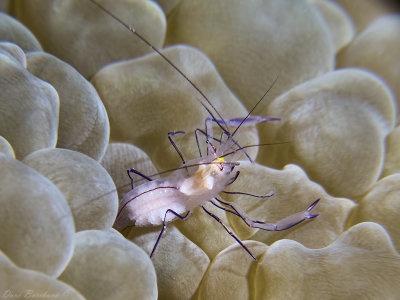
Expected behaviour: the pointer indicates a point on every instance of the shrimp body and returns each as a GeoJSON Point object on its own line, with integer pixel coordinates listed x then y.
{"type": "Point", "coordinates": [196, 182]}
{"type": "Point", "coordinates": [200, 180]}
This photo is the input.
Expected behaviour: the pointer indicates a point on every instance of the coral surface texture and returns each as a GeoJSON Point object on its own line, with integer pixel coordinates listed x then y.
{"type": "Point", "coordinates": [261, 140]}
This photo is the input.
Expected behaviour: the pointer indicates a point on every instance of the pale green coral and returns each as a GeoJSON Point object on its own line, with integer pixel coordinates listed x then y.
{"type": "Point", "coordinates": [382, 205]}
{"type": "Point", "coordinates": [85, 184]}
{"type": "Point", "coordinates": [25, 99]}
{"type": "Point", "coordinates": [338, 127]}
{"type": "Point", "coordinates": [18, 283]}
{"type": "Point", "coordinates": [180, 264]}
{"type": "Point", "coordinates": [37, 228]}
{"type": "Point", "coordinates": [83, 124]}
{"type": "Point", "coordinates": [59, 22]}
{"type": "Point", "coordinates": [377, 49]}
{"type": "Point", "coordinates": [107, 266]}
{"type": "Point", "coordinates": [253, 42]}
{"type": "Point", "coordinates": [165, 98]}
{"type": "Point", "coordinates": [13, 31]}
{"type": "Point", "coordinates": [6, 148]}
{"type": "Point", "coordinates": [120, 157]}
{"type": "Point", "coordinates": [337, 19]}
{"type": "Point", "coordinates": [360, 263]}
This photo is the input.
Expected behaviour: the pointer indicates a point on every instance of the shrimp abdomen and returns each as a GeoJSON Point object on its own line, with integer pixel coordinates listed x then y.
{"type": "Point", "coordinates": [147, 204]}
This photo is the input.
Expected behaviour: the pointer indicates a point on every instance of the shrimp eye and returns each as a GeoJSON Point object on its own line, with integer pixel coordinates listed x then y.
{"type": "Point", "coordinates": [221, 160]}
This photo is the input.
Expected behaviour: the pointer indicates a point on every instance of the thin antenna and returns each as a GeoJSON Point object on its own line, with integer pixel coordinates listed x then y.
{"type": "Point", "coordinates": [133, 30]}
{"type": "Point", "coordinates": [254, 107]}
{"type": "Point", "coordinates": [224, 127]}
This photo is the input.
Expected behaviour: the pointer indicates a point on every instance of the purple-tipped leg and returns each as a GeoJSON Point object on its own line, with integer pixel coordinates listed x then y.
{"type": "Point", "coordinates": [183, 218]}
{"type": "Point", "coordinates": [283, 224]}
{"type": "Point", "coordinates": [308, 210]}
{"type": "Point", "coordinates": [290, 221]}
{"type": "Point", "coordinates": [249, 120]}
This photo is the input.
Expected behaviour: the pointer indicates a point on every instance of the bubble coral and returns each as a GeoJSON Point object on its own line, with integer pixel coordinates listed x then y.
{"type": "Point", "coordinates": [18, 283]}
{"type": "Point", "coordinates": [62, 136]}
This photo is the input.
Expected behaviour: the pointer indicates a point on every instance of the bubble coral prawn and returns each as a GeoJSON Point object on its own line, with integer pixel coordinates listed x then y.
{"type": "Point", "coordinates": [197, 181]}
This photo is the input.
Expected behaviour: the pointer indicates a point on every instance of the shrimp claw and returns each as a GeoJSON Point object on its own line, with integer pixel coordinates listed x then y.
{"type": "Point", "coordinates": [290, 221]}
{"type": "Point", "coordinates": [250, 120]}
{"type": "Point", "coordinates": [283, 224]}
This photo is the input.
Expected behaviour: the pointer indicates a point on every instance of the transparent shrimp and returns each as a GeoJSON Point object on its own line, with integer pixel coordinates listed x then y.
{"type": "Point", "coordinates": [198, 181]}
{"type": "Point", "coordinates": [194, 184]}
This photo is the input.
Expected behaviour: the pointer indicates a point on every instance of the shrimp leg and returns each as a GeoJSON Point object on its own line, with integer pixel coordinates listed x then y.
{"type": "Point", "coordinates": [283, 224]}
{"type": "Point", "coordinates": [174, 145]}
{"type": "Point", "coordinates": [251, 195]}
{"type": "Point", "coordinates": [137, 173]}
{"type": "Point", "coordinates": [237, 122]}
{"type": "Point", "coordinates": [183, 218]}
{"type": "Point", "coordinates": [230, 232]}
{"type": "Point", "coordinates": [233, 179]}
{"type": "Point", "coordinates": [208, 137]}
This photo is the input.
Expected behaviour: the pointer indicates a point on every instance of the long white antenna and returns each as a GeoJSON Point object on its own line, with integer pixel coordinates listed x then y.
{"type": "Point", "coordinates": [133, 30]}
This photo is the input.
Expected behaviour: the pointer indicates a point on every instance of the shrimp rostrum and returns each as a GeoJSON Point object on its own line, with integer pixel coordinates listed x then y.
{"type": "Point", "coordinates": [195, 183]}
